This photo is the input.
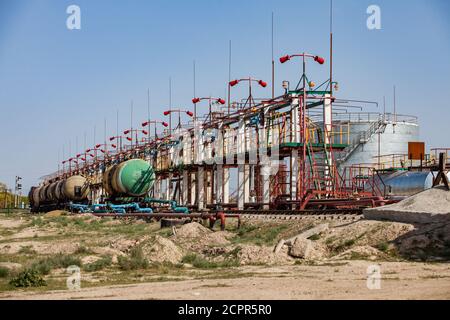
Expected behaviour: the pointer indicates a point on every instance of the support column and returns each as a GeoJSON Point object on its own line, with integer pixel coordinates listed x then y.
{"type": "Point", "coordinates": [219, 183]}
{"type": "Point", "coordinates": [193, 187]}
{"type": "Point", "coordinates": [295, 121]}
{"type": "Point", "coordinates": [200, 188]}
{"type": "Point", "coordinates": [247, 183]}
{"type": "Point", "coordinates": [265, 177]}
{"type": "Point", "coordinates": [241, 188]}
{"type": "Point", "coordinates": [157, 193]}
{"type": "Point", "coordinates": [241, 164]}
{"type": "Point", "coordinates": [226, 185]}
{"type": "Point", "coordinates": [209, 186]}
{"type": "Point", "coordinates": [168, 188]}
{"type": "Point", "coordinates": [185, 186]}
{"type": "Point", "coordinates": [328, 127]}
{"type": "Point", "coordinates": [294, 174]}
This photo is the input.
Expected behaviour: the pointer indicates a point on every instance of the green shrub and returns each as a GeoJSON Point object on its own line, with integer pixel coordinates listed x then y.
{"type": "Point", "coordinates": [63, 221]}
{"type": "Point", "coordinates": [314, 237]}
{"type": "Point", "coordinates": [27, 250]}
{"type": "Point", "coordinates": [79, 222]}
{"type": "Point", "coordinates": [260, 235]}
{"type": "Point", "coordinates": [83, 250]}
{"type": "Point", "coordinates": [202, 263]}
{"type": "Point", "coordinates": [44, 266]}
{"type": "Point", "coordinates": [383, 246]}
{"type": "Point", "coordinates": [99, 264]}
{"type": "Point", "coordinates": [4, 272]}
{"type": "Point", "coordinates": [344, 245]}
{"type": "Point", "coordinates": [28, 278]}
{"type": "Point", "coordinates": [135, 261]}
{"type": "Point", "coordinates": [38, 222]}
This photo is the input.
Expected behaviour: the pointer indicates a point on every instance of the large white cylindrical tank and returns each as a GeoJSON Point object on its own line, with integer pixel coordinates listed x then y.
{"type": "Point", "coordinates": [370, 135]}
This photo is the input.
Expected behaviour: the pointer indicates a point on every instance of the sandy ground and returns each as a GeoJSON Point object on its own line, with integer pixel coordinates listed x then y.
{"type": "Point", "coordinates": [194, 262]}
{"type": "Point", "coordinates": [399, 280]}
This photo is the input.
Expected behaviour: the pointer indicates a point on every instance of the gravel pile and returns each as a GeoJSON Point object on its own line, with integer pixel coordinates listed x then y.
{"type": "Point", "coordinates": [432, 205]}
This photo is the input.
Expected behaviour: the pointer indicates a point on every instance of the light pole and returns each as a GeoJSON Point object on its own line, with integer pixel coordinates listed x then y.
{"type": "Point", "coordinates": [210, 100]}
{"type": "Point", "coordinates": [249, 80]}
{"type": "Point", "coordinates": [131, 131]}
{"type": "Point", "coordinates": [304, 55]}
{"type": "Point", "coordinates": [155, 122]}
{"type": "Point", "coordinates": [95, 149]}
{"type": "Point", "coordinates": [70, 160]}
{"type": "Point", "coordinates": [302, 118]}
{"type": "Point", "coordinates": [119, 138]}
{"type": "Point", "coordinates": [179, 111]}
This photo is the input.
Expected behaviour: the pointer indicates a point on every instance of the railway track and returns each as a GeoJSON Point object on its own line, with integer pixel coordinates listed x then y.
{"type": "Point", "coordinates": [333, 214]}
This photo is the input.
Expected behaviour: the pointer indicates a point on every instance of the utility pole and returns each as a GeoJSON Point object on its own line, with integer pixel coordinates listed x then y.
{"type": "Point", "coordinates": [17, 191]}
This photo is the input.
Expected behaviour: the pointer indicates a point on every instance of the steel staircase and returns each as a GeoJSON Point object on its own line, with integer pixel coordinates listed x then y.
{"type": "Point", "coordinates": [361, 138]}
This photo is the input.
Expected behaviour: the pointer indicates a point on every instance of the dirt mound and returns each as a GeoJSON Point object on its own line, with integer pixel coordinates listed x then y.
{"type": "Point", "coordinates": [192, 230]}
{"type": "Point", "coordinates": [123, 244]}
{"type": "Point", "coordinates": [86, 217]}
{"type": "Point", "coordinates": [431, 241]}
{"type": "Point", "coordinates": [218, 238]}
{"type": "Point", "coordinates": [255, 255]}
{"type": "Point", "coordinates": [193, 236]}
{"type": "Point", "coordinates": [56, 213]}
{"type": "Point", "coordinates": [359, 252]}
{"type": "Point", "coordinates": [89, 259]}
{"type": "Point", "coordinates": [364, 232]}
{"type": "Point", "coordinates": [432, 205]}
{"type": "Point", "coordinates": [162, 250]}
{"type": "Point", "coordinates": [387, 232]}
{"type": "Point", "coordinates": [435, 200]}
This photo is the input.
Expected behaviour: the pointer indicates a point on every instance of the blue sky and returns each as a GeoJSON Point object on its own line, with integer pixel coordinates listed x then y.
{"type": "Point", "coordinates": [56, 84]}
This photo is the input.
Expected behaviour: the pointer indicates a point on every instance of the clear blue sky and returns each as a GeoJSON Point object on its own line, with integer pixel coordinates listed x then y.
{"type": "Point", "coordinates": [56, 84]}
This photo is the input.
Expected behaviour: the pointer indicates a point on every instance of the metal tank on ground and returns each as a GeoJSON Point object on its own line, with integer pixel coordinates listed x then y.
{"type": "Point", "coordinates": [369, 135]}
{"type": "Point", "coordinates": [403, 183]}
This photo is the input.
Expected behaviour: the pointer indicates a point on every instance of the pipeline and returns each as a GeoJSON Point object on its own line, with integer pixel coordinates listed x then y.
{"type": "Point", "coordinates": [173, 204]}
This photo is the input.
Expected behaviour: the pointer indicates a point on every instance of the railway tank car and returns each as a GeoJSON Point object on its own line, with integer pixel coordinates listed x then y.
{"type": "Point", "coordinates": [132, 178]}
{"type": "Point", "coordinates": [54, 195]}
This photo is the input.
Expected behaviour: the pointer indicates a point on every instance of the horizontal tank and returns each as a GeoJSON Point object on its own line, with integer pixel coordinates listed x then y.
{"type": "Point", "coordinates": [403, 183]}
{"type": "Point", "coordinates": [43, 194]}
{"type": "Point", "coordinates": [133, 177]}
{"type": "Point", "coordinates": [51, 192]}
{"type": "Point", "coordinates": [58, 191]}
{"type": "Point", "coordinates": [33, 196]}
{"type": "Point", "coordinates": [75, 188]}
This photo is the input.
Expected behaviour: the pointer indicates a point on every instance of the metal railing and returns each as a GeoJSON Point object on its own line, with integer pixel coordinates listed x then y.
{"type": "Point", "coordinates": [373, 116]}
{"type": "Point", "coordinates": [362, 137]}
